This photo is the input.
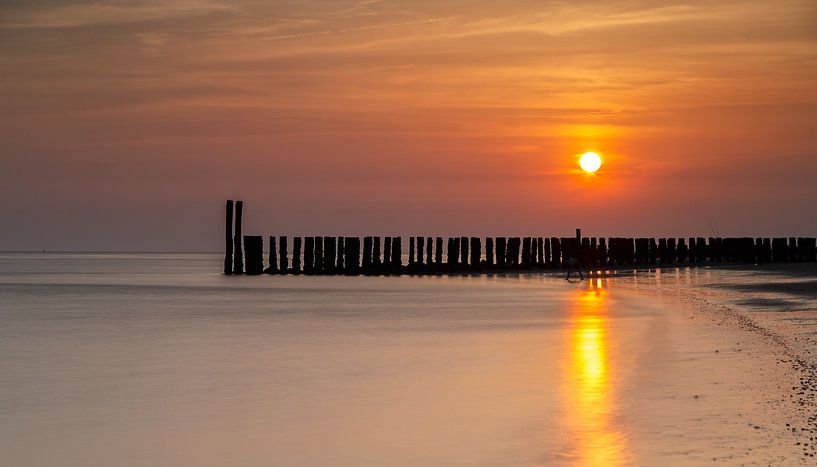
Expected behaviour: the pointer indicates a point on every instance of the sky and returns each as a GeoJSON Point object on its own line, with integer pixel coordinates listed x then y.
{"type": "Point", "coordinates": [125, 125]}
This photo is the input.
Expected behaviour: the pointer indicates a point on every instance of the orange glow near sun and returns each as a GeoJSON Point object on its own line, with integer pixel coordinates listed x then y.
{"type": "Point", "coordinates": [590, 162]}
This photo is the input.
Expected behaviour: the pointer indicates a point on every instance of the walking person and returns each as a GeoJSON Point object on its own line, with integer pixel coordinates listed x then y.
{"type": "Point", "coordinates": [573, 265]}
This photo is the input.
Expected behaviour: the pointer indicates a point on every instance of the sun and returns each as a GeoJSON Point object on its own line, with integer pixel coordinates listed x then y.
{"type": "Point", "coordinates": [590, 162]}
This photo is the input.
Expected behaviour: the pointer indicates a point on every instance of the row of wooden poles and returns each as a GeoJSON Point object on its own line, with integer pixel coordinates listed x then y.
{"type": "Point", "coordinates": [376, 255]}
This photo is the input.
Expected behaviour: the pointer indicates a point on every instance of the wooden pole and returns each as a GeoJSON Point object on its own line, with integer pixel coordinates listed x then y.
{"type": "Point", "coordinates": [283, 261]}
{"type": "Point", "coordinates": [368, 246]}
{"type": "Point", "coordinates": [228, 232]}
{"type": "Point", "coordinates": [254, 252]}
{"type": "Point", "coordinates": [296, 255]}
{"type": "Point", "coordinates": [273, 257]}
{"type": "Point", "coordinates": [396, 255]}
{"type": "Point", "coordinates": [238, 257]}
{"type": "Point", "coordinates": [438, 252]}
{"type": "Point", "coordinates": [501, 252]}
{"type": "Point", "coordinates": [476, 253]}
{"type": "Point", "coordinates": [341, 264]}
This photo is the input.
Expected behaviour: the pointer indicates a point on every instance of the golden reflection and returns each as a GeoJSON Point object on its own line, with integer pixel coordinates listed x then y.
{"type": "Point", "coordinates": [589, 392]}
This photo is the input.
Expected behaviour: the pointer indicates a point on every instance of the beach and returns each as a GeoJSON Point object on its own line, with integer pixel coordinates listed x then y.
{"type": "Point", "coordinates": [157, 359]}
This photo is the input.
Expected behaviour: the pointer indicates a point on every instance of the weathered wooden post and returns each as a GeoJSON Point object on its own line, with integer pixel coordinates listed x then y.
{"type": "Point", "coordinates": [421, 243]}
{"type": "Point", "coordinates": [352, 256]}
{"type": "Point", "coordinates": [792, 250]}
{"type": "Point", "coordinates": [228, 232]}
{"type": "Point", "coordinates": [296, 255]}
{"type": "Point", "coordinates": [476, 253]}
{"type": "Point", "coordinates": [556, 251]}
{"type": "Point", "coordinates": [463, 264]}
{"type": "Point", "coordinates": [412, 252]}
{"type": "Point", "coordinates": [340, 266]}
{"type": "Point", "coordinates": [386, 253]}
{"type": "Point", "coordinates": [532, 254]}
{"type": "Point", "coordinates": [514, 245]}
{"type": "Point", "coordinates": [672, 251]}
{"type": "Point", "coordinates": [254, 252]}
{"type": "Point", "coordinates": [540, 260]}
{"type": "Point", "coordinates": [438, 252]}
{"type": "Point", "coordinates": [548, 253]}
{"type": "Point", "coordinates": [396, 263]}
{"type": "Point", "coordinates": [501, 252]}
{"type": "Point", "coordinates": [641, 253]}
{"type": "Point", "coordinates": [368, 246]}
{"type": "Point", "coordinates": [330, 254]}
{"type": "Point", "coordinates": [526, 251]}
{"type": "Point", "coordinates": [273, 257]}
{"type": "Point", "coordinates": [779, 253]}
{"type": "Point", "coordinates": [309, 255]}
{"type": "Point", "coordinates": [453, 254]}
{"type": "Point", "coordinates": [653, 255]}
{"type": "Point", "coordinates": [283, 261]}
{"type": "Point", "coordinates": [238, 257]}
{"type": "Point", "coordinates": [585, 254]}
{"type": "Point", "coordinates": [489, 252]}
{"type": "Point", "coordinates": [429, 259]}
{"type": "Point", "coordinates": [683, 251]}
{"type": "Point", "coordinates": [318, 265]}
{"type": "Point", "coordinates": [376, 254]}
{"type": "Point", "coordinates": [603, 259]}
{"type": "Point", "coordinates": [766, 249]}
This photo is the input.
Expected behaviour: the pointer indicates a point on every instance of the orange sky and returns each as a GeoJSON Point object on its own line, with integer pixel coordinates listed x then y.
{"type": "Point", "coordinates": [126, 124]}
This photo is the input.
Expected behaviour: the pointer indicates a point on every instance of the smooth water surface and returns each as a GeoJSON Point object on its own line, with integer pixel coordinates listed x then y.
{"type": "Point", "coordinates": [139, 359]}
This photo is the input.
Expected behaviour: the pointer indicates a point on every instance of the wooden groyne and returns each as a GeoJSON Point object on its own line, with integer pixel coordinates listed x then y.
{"type": "Point", "coordinates": [329, 255]}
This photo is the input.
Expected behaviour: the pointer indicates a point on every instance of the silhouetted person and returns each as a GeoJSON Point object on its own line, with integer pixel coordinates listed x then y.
{"type": "Point", "coordinates": [573, 265]}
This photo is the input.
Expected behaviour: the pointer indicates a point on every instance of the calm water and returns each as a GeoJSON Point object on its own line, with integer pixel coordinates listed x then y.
{"type": "Point", "coordinates": [159, 360]}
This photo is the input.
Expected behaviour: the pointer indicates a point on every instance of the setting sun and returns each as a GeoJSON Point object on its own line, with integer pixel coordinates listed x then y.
{"type": "Point", "coordinates": [590, 162]}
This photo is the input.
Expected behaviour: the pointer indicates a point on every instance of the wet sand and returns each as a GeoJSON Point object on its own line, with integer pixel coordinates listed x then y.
{"type": "Point", "coordinates": [766, 317]}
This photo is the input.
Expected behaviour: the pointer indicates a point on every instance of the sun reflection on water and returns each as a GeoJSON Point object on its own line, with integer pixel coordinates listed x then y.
{"type": "Point", "coordinates": [589, 392]}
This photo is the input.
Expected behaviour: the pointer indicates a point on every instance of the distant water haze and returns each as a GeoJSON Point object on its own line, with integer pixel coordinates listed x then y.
{"type": "Point", "coordinates": [125, 125]}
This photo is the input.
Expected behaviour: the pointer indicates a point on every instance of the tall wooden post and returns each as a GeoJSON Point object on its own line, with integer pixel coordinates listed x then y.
{"type": "Point", "coordinates": [228, 232]}
{"type": "Point", "coordinates": [420, 246]}
{"type": "Point", "coordinates": [501, 252]}
{"type": "Point", "coordinates": [411, 251]}
{"type": "Point", "coordinates": [386, 253]}
{"type": "Point", "coordinates": [376, 253]}
{"type": "Point", "coordinates": [318, 267]}
{"type": "Point", "coordinates": [309, 255]}
{"type": "Point", "coordinates": [340, 266]}
{"type": "Point", "coordinates": [368, 246]}
{"type": "Point", "coordinates": [453, 253]}
{"type": "Point", "coordinates": [273, 257]}
{"type": "Point", "coordinates": [476, 252]}
{"type": "Point", "coordinates": [329, 254]}
{"type": "Point", "coordinates": [489, 252]}
{"type": "Point", "coordinates": [296, 255]}
{"type": "Point", "coordinates": [283, 261]}
{"type": "Point", "coordinates": [548, 253]}
{"type": "Point", "coordinates": [429, 248]}
{"type": "Point", "coordinates": [396, 254]}
{"type": "Point", "coordinates": [238, 256]}
{"type": "Point", "coordinates": [463, 253]}
{"type": "Point", "coordinates": [526, 252]}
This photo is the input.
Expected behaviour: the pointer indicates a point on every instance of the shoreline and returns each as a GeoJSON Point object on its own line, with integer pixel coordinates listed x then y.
{"type": "Point", "coordinates": [772, 326]}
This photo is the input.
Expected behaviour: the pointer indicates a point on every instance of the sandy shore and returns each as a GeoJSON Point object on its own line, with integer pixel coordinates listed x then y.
{"type": "Point", "coordinates": [764, 317]}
